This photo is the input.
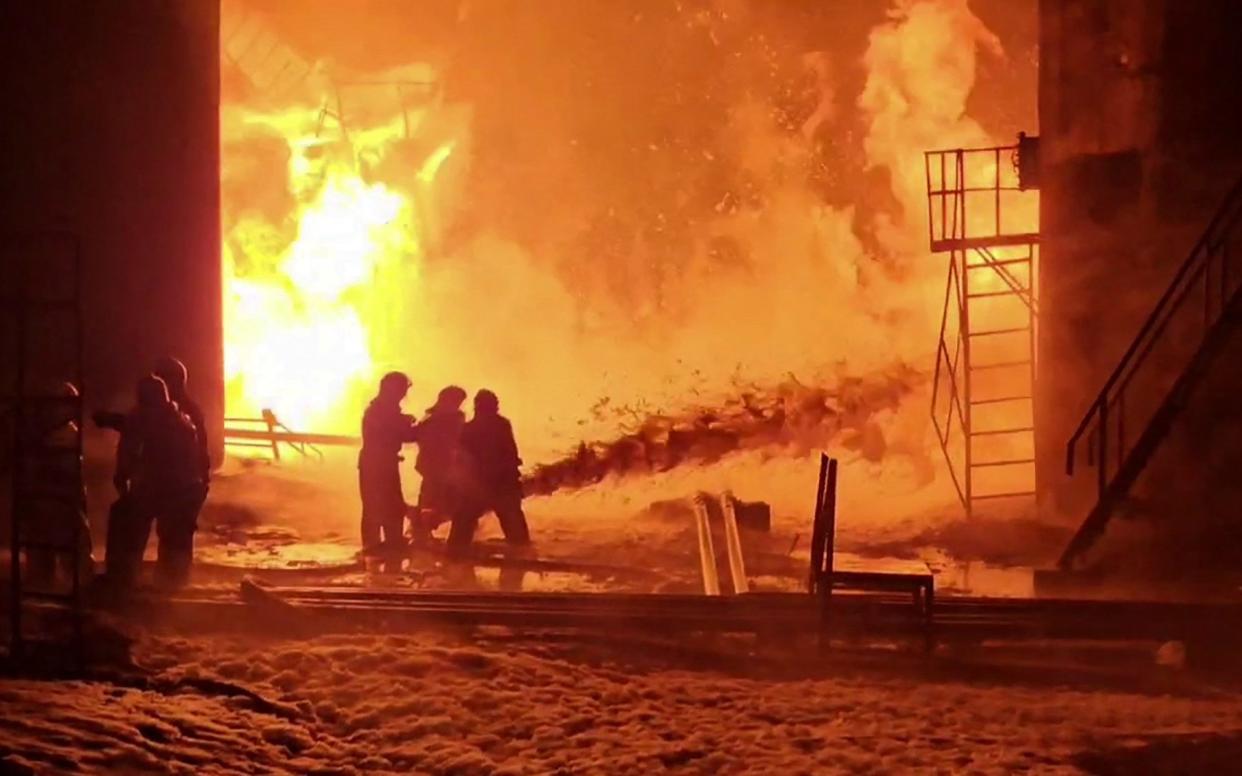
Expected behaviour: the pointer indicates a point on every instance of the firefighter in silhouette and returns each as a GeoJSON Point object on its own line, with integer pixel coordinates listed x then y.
{"type": "Point", "coordinates": [160, 479]}
{"type": "Point", "coordinates": [440, 461]}
{"type": "Point", "coordinates": [175, 376]}
{"type": "Point", "coordinates": [123, 528]}
{"type": "Point", "coordinates": [54, 526]}
{"type": "Point", "coordinates": [495, 480]}
{"type": "Point", "coordinates": [385, 428]}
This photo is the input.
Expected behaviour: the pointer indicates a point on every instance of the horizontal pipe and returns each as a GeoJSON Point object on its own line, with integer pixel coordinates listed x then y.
{"type": "Point", "coordinates": [291, 437]}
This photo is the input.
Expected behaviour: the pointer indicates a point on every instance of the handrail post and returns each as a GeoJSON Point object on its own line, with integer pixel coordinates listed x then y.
{"type": "Point", "coordinates": [1102, 436]}
{"type": "Point", "coordinates": [996, 180]}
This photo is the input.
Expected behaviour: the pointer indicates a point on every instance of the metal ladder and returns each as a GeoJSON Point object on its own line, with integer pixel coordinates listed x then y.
{"type": "Point", "coordinates": [41, 395]}
{"type": "Point", "coordinates": [983, 390]}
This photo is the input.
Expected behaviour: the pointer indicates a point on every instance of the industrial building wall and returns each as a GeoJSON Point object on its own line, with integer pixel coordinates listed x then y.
{"type": "Point", "coordinates": [109, 129]}
{"type": "Point", "coordinates": [1140, 114]}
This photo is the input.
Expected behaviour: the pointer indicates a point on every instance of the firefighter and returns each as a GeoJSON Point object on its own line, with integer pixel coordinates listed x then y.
{"type": "Point", "coordinates": [385, 428]}
{"type": "Point", "coordinates": [56, 498]}
{"type": "Point", "coordinates": [492, 453]}
{"type": "Point", "coordinates": [159, 476]}
{"type": "Point", "coordinates": [439, 460]}
{"type": "Point", "coordinates": [176, 376]}
{"type": "Point", "coordinates": [124, 526]}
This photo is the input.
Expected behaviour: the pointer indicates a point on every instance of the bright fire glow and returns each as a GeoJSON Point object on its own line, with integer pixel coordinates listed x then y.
{"type": "Point", "coordinates": [302, 330]}
{"type": "Point", "coordinates": [586, 275]}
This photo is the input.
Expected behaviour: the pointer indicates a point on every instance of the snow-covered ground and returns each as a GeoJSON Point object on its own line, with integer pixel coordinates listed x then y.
{"type": "Point", "coordinates": [497, 702]}
{"type": "Point", "coordinates": [500, 703]}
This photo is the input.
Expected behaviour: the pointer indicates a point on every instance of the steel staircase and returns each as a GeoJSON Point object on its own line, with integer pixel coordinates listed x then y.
{"type": "Point", "coordinates": [1155, 379]}
{"type": "Point", "coordinates": [986, 219]}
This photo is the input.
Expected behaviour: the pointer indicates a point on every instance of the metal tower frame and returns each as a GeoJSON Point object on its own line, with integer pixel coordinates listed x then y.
{"type": "Point", "coordinates": [988, 326]}
{"type": "Point", "coordinates": [43, 309]}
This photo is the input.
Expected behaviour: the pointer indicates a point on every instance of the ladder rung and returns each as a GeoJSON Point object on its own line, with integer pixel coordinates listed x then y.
{"type": "Point", "coordinates": [1001, 364]}
{"type": "Point", "coordinates": [1015, 494]}
{"type": "Point", "coordinates": [999, 431]}
{"type": "Point", "coordinates": [1010, 462]}
{"type": "Point", "coordinates": [991, 332]}
{"type": "Point", "coordinates": [985, 294]}
{"type": "Point", "coordinates": [1000, 399]}
{"type": "Point", "coordinates": [998, 263]}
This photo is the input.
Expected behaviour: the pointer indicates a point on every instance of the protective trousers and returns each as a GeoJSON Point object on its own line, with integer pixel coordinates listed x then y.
{"type": "Point", "coordinates": [52, 546]}
{"type": "Point", "coordinates": [506, 503]}
{"type": "Point", "coordinates": [383, 510]}
{"type": "Point", "coordinates": [175, 516]}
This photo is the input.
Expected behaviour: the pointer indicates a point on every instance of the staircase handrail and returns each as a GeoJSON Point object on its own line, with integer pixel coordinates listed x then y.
{"type": "Point", "coordinates": [1225, 218]}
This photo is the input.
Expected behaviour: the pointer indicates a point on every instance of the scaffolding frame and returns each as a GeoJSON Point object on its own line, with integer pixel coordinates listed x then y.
{"type": "Point", "coordinates": [32, 257]}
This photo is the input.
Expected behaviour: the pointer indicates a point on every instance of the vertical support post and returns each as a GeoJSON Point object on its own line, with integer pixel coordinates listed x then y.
{"type": "Point", "coordinates": [829, 523]}
{"type": "Point", "coordinates": [817, 527]}
{"type": "Point", "coordinates": [967, 409]}
{"type": "Point", "coordinates": [16, 646]}
{"type": "Point", "coordinates": [961, 227]}
{"type": "Point", "coordinates": [996, 182]}
{"type": "Point", "coordinates": [733, 544]}
{"type": "Point", "coordinates": [79, 418]}
{"type": "Point", "coordinates": [931, 220]}
{"type": "Point", "coordinates": [269, 419]}
{"type": "Point", "coordinates": [1101, 463]}
{"type": "Point", "coordinates": [707, 551]}
{"type": "Point", "coordinates": [1121, 424]}
{"type": "Point", "coordinates": [1032, 282]}
{"type": "Point", "coordinates": [944, 205]}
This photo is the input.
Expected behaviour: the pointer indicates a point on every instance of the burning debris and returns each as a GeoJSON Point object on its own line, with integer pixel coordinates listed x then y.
{"type": "Point", "coordinates": [789, 416]}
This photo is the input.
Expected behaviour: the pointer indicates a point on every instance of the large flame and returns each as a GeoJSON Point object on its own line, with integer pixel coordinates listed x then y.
{"type": "Point", "coordinates": [595, 284]}
{"type": "Point", "coordinates": [305, 324]}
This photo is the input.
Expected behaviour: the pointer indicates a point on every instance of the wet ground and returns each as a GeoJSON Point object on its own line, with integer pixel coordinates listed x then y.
{"type": "Point", "coordinates": [299, 522]}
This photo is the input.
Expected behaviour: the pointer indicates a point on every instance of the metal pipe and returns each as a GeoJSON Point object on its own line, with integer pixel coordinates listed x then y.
{"type": "Point", "coordinates": [291, 437]}
{"type": "Point", "coordinates": [733, 543]}
{"type": "Point", "coordinates": [707, 551]}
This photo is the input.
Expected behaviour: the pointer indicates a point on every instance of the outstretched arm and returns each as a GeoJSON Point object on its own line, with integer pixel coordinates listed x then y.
{"type": "Point", "coordinates": [109, 419]}
{"type": "Point", "coordinates": [409, 429]}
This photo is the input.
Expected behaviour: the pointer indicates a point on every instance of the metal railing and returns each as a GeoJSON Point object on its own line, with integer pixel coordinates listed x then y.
{"type": "Point", "coordinates": [962, 181]}
{"type": "Point", "coordinates": [1161, 366]}
{"type": "Point", "coordinates": [268, 432]}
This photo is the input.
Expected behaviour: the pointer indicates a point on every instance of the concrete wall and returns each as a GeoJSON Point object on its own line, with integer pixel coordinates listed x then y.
{"type": "Point", "coordinates": [109, 129]}
{"type": "Point", "coordinates": [1140, 115]}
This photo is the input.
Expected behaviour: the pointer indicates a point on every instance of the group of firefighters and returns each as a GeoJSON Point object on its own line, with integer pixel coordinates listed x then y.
{"type": "Point", "coordinates": [468, 468]}
{"type": "Point", "coordinates": [163, 472]}
{"type": "Point", "coordinates": [161, 478]}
